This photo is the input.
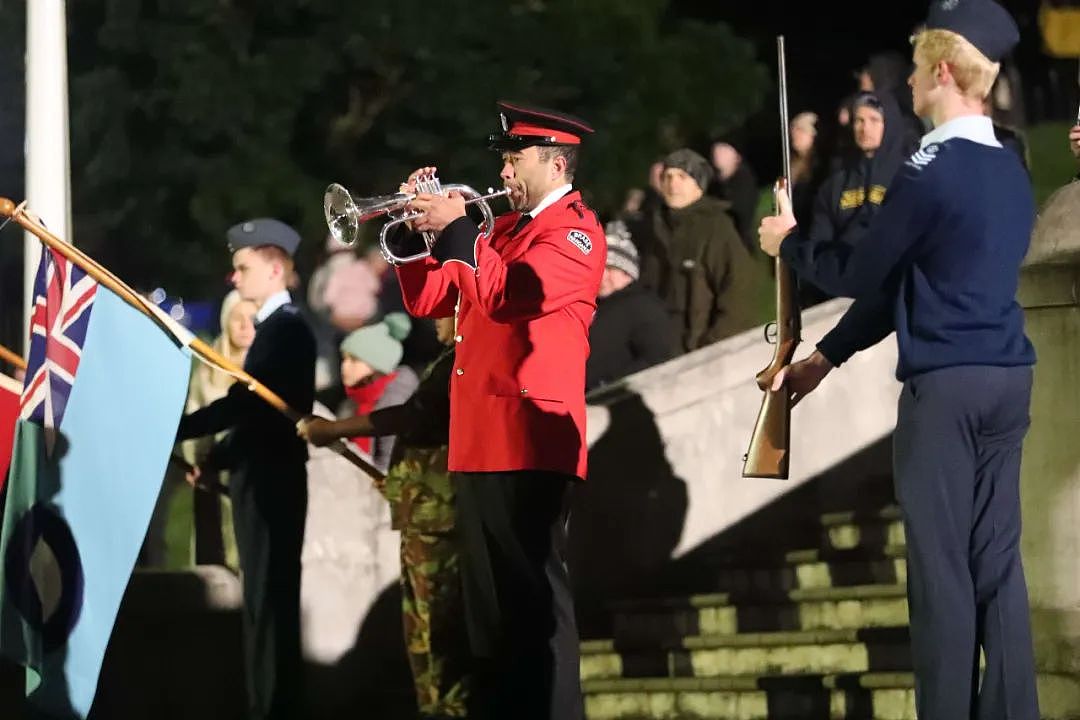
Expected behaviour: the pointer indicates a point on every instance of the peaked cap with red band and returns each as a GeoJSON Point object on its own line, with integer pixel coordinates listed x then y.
{"type": "Point", "coordinates": [524, 126]}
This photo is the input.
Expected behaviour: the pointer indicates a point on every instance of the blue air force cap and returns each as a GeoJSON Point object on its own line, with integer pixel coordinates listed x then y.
{"type": "Point", "coordinates": [263, 231]}
{"type": "Point", "coordinates": [983, 23]}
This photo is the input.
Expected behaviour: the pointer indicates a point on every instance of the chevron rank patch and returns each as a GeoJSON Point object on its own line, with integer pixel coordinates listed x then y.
{"type": "Point", "coordinates": [923, 157]}
{"type": "Point", "coordinates": [580, 240]}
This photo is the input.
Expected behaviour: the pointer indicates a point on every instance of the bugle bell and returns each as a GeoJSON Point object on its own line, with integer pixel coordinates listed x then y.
{"type": "Point", "coordinates": [345, 214]}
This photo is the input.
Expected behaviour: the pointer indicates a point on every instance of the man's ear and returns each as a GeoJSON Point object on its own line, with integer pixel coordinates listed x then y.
{"type": "Point", "coordinates": [558, 166]}
{"type": "Point", "coordinates": [277, 269]}
{"type": "Point", "coordinates": [943, 73]}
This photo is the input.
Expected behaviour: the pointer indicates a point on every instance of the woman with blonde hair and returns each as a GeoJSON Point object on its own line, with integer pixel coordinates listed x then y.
{"type": "Point", "coordinates": [237, 331]}
{"type": "Point", "coordinates": [209, 528]}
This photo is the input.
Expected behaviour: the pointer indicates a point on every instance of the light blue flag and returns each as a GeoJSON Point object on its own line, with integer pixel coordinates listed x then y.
{"type": "Point", "coordinates": [100, 408]}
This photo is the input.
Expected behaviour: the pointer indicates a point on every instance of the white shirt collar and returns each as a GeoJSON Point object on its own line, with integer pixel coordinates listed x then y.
{"type": "Point", "coordinates": [976, 128]}
{"type": "Point", "coordinates": [282, 297]}
{"type": "Point", "coordinates": [551, 199]}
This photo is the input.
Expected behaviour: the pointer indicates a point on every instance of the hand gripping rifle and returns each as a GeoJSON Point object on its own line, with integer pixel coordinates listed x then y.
{"type": "Point", "coordinates": [771, 441]}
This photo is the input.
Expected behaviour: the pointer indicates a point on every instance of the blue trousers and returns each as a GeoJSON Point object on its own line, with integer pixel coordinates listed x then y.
{"type": "Point", "coordinates": [956, 466]}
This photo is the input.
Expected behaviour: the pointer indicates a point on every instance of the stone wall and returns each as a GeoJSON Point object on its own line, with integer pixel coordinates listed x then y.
{"type": "Point", "coordinates": [698, 411]}
{"type": "Point", "coordinates": [1050, 480]}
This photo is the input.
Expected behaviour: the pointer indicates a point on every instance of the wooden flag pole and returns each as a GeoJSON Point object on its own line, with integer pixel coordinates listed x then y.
{"type": "Point", "coordinates": [12, 358]}
{"type": "Point", "coordinates": [105, 277]}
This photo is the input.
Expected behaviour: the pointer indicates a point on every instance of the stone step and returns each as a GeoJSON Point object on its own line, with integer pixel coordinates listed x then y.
{"type": "Point", "coordinates": [842, 536]}
{"type": "Point", "coordinates": [792, 653]}
{"type": "Point", "coordinates": [854, 549]}
{"type": "Point", "coordinates": [664, 621]}
{"type": "Point", "coordinates": [847, 517]}
{"type": "Point", "coordinates": [850, 530]}
{"type": "Point", "coordinates": [812, 569]}
{"type": "Point", "coordinates": [861, 696]}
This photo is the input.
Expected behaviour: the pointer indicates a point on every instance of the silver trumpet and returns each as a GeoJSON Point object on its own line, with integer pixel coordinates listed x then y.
{"type": "Point", "coordinates": [345, 214]}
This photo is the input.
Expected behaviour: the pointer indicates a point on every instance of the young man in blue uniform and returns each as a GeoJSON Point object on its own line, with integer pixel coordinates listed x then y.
{"type": "Point", "coordinates": [267, 465]}
{"type": "Point", "coordinates": [940, 267]}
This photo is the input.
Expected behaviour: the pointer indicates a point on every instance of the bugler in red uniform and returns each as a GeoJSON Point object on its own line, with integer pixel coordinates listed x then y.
{"type": "Point", "coordinates": [517, 398]}
{"type": "Point", "coordinates": [526, 297]}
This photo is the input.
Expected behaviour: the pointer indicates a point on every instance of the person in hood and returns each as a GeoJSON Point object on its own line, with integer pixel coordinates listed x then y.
{"type": "Point", "coordinates": [850, 198]}
{"type": "Point", "coordinates": [694, 258]}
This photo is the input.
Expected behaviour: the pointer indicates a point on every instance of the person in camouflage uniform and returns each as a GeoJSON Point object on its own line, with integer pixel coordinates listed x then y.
{"type": "Point", "coordinates": [421, 499]}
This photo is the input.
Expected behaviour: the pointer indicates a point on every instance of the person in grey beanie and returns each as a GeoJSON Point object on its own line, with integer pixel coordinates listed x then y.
{"type": "Point", "coordinates": [692, 164]}
{"type": "Point", "coordinates": [631, 330]}
{"type": "Point", "coordinates": [693, 258]}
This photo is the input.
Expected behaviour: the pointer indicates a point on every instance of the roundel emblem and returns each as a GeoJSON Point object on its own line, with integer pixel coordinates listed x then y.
{"type": "Point", "coordinates": [44, 574]}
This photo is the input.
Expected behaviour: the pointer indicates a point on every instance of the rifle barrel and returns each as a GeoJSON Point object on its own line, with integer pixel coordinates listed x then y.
{"type": "Point", "coordinates": [785, 136]}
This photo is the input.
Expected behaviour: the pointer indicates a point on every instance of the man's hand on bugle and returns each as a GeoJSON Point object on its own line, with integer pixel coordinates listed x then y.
{"type": "Point", "coordinates": [409, 188]}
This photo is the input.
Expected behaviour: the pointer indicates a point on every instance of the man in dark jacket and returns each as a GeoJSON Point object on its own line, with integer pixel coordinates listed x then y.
{"type": "Point", "coordinates": [631, 329]}
{"type": "Point", "coordinates": [736, 183]}
{"type": "Point", "coordinates": [851, 197]}
{"type": "Point", "coordinates": [694, 259]}
{"type": "Point", "coordinates": [267, 464]}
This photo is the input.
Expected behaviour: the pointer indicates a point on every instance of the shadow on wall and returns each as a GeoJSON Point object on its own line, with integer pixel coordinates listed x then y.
{"type": "Point", "coordinates": [861, 483]}
{"type": "Point", "coordinates": [372, 680]}
{"type": "Point", "coordinates": [627, 519]}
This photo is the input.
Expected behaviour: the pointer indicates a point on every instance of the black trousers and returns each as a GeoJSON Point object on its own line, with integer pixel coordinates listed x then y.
{"type": "Point", "coordinates": [518, 607]}
{"type": "Point", "coordinates": [957, 473]}
{"type": "Point", "coordinates": [269, 509]}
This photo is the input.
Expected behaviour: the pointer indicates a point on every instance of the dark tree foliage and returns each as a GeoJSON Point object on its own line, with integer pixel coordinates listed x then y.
{"type": "Point", "coordinates": [190, 115]}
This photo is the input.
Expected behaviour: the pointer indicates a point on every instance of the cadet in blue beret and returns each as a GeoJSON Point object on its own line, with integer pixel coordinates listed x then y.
{"type": "Point", "coordinates": [267, 464]}
{"type": "Point", "coordinates": [940, 267]}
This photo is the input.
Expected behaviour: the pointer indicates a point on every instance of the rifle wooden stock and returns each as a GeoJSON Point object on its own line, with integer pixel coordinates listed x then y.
{"type": "Point", "coordinates": [771, 441]}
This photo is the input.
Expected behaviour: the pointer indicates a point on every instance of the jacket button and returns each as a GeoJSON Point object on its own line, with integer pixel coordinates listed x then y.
{"type": "Point", "coordinates": [524, 391]}
{"type": "Point", "coordinates": [458, 338]}
{"type": "Point", "coordinates": [460, 371]}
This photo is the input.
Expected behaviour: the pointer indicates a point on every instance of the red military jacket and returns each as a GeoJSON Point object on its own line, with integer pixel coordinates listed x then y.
{"type": "Point", "coordinates": [527, 298]}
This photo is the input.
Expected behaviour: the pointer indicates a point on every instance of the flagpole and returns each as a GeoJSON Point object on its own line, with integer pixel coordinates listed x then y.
{"type": "Point", "coordinates": [106, 278]}
{"type": "Point", "coordinates": [48, 170]}
{"type": "Point", "coordinates": [12, 358]}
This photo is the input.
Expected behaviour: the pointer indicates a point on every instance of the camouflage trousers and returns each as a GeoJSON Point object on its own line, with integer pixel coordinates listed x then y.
{"type": "Point", "coordinates": [436, 637]}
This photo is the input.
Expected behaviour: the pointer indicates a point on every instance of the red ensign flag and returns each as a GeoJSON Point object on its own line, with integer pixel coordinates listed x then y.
{"type": "Point", "coordinates": [9, 411]}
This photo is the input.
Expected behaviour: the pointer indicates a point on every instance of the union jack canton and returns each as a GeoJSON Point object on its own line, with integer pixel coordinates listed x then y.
{"type": "Point", "coordinates": [63, 301]}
